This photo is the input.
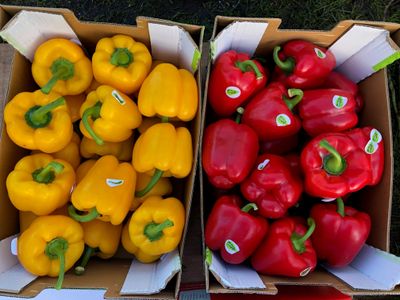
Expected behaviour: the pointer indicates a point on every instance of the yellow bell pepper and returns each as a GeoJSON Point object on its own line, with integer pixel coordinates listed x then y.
{"type": "Point", "coordinates": [156, 226]}
{"type": "Point", "coordinates": [93, 86]}
{"type": "Point", "coordinates": [74, 103]}
{"type": "Point", "coordinates": [51, 246]}
{"type": "Point", "coordinates": [26, 218]}
{"type": "Point", "coordinates": [40, 184]}
{"type": "Point", "coordinates": [83, 169]}
{"type": "Point", "coordinates": [61, 66]}
{"type": "Point", "coordinates": [121, 150]}
{"type": "Point", "coordinates": [101, 239]}
{"type": "Point", "coordinates": [121, 62]}
{"type": "Point", "coordinates": [163, 148]}
{"type": "Point", "coordinates": [38, 121]}
{"type": "Point", "coordinates": [148, 122]}
{"type": "Point", "coordinates": [163, 187]}
{"type": "Point", "coordinates": [169, 92]}
{"type": "Point", "coordinates": [106, 191]}
{"type": "Point", "coordinates": [108, 115]}
{"type": "Point", "coordinates": [131, 248]}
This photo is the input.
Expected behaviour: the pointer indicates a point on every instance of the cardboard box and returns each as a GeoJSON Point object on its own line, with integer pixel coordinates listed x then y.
{"type": "Point", "coordinates": [176, 43]}
{"type": "Point", "coordinates": [362, 50]}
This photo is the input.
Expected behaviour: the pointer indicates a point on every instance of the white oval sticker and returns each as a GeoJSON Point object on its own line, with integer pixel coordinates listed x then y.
{"type": "Point", "coordinates": [328, 199]}
{"type": "Point", "coordinates": [339, 101]}
{"type": "Point", "coordinates": [231, 247]}
{"type": "Point", "coordinates": [233, 92]}
{"type": "Point", "coordinates": [319, 53]}
{"type": "Point", "coordinates": [375, 136]}
{"type": "Point", "coordinates": [111, 182]}
{"type": "Point", "coordinates": [371, 147]}
{"type": "Point", "coordinates": [118, 97]}
{"type": "Point", "coordinates": [282, 120]}
{"type": "Point", "coordinates": [305, 272]}
{"type": "Point", "coordinates": [262, 165]}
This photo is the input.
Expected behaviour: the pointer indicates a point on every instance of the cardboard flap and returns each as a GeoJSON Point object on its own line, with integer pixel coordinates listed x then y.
{"type": "Point", "coordinates": [146, 279]}
{"type": "Point", "coordinates": [233, 276]}
{"type": "Point", "coordinates": [364, 50]}
{"type": "Point", "coordinates": [372, 269]}
{"type": "Point", "coordinates": [28, 29]}
{"type": "Point", "coordinates": [242, 36]}
{"type": "Point", "coordinates": [173, 44]}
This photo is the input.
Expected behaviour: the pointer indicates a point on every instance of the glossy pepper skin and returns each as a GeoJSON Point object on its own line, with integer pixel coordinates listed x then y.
{"type": "Point", "coordinates": [26, 218]}
{"type": "Point", "coordinates": [229, 152]}
{"type": "Point", "coordinates": [233, 231]}
{"type": "Point", "coordinates": [169, 92]}
{"type": "Point", "coordinates": [286, 249]}
{"type": "Point", "coordinates": [270, 115]}
{"type": "Point", "coordinates": [61, 66]}
{"type": "Point", "coordinates": [51, 246]}
{"type": "Point", "coordinates": [40, 184]}
{"type": "Point", "coordinates": [83, 169]}
{"type": "Point", "coordinates": [233, 80]}
{"type": "Point", "coordinates": [37, 121]}
{"type": "Point", "coordinates": [301, 64]}
{"type": "Point", "coordinates": [334, 165]}
{"type": "Point", "coordinates": [156, 227]}
{"type": "Point", "coordinates": [340, 232]}
{"type": "Point", "coordinates": [101, 239]}
{"type": "Point", "coordinates": [272, 185]}
{"type": "Point", "coordinates": [163, 150]}
{"type": "Point", "coordinates": [121, 150]}
{"type": "Point", "coordinates": [106, 191]}
{"type": "Point", "coordinates": [370, 140]}
{"type": "Point", "coordinates": [108, 116]}
{"type": "Point", "coordinates": [121, 62]}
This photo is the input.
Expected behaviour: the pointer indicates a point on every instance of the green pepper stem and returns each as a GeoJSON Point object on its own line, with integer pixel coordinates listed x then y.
{"type": "Point", "coordinates": [61, 69]}
{"type": "Point", "coordinates": [40, 116]}
{"type": "Point", "coordinates": [56, 249]}
{"type": "Point", "coordinates": [153, 181]}
{"type": "Point", "coordinates": [249, 206]}
{"type": "Point", "coordinates": [240, 112]}
{"type": "Point", "coordinates": [89, 252]}
{"type": "Point", "coordinates": [286, 66]}
{"type": "Point", "coordinates": [47, 174]}
{"type": "Point", "coordinates": [91, 215]}
{"type": "Point", "coordinates": [298, 241]}
{"type": "Point", "coordinates": [164, 119]}
{"type": "Point", "coordinates": [245, 65]}
{"type": "Point", "coordinates": [340, 206]}
{"type": "Point", "coordinates": [333, 163]}
{"type": "Point", "coordinates": [154, 231]}
{"type": "Point", "coordinates": [94, 113]}
{"type": "Point", "coordinates": [121, 57]}
{"type": "Point", "coordinates": [295, 97]}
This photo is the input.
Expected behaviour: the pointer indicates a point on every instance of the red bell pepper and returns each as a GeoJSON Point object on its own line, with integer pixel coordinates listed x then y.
{"type": "Point", "coordinates": [302, 64]}
{"type": "Point", "coordinates": [229, 152]}
{"type": "Point", "coordinates": [269, 113]}
{"type": "Point", "coordinates": [286, 249]}
{"type": "Point", "coordinates": [233, 231]}
{"type": "Point", "coordinates": [340, 232]}
{"type": "Point", "coordinates": [334, 166]}
{"type": "Point", "coordinates": [281, 146]}
{"type": "Point", "coordinates": [234, 78]}
{"type": "Point", "coordinates": [339, 81]}
{"type": "Point", "coordinates": [294, 162]}
{"type": "Point", "coordinates": [371, 142]}
{"type": "Point", "coordinates": [327, 110]}
{"type": "Point", "coordinates": [273, 186]}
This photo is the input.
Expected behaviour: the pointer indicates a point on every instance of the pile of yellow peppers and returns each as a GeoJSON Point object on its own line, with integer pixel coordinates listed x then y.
{"type": "Point", "coordinates": [86, 189]}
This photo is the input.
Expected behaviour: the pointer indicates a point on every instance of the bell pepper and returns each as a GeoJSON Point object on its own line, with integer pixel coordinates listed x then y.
{"type": "Point", "coordinates": [282, 146]}
{"type": "Point", "coordinates": [121, 62]}
{"type": "Point", "coordinates": [106, 191]}
{"type": "Point", "coordinates": [163, 187]}
{"type": "Point", "coordinates": [302, 64]}
{"type": "Point", "coordinates": [229, 152]}
{"type": "Point", "coordinates": [286, 249]}
{"type": "Point", "coordinates": [74, 103]}
{"type": "Point", "coordinates": [121, 150]}
{"type": "Point", "coordinates": [61, 66]}
{"type": "Point", "coordinates": [132, 249]}
{"type": "Point", "coordinates": [371, 142]}
{"type": "Point", "coordinates": [293, 159]}
{"type": "Point", "coordinates": [270, 115]}
{"type": "Point", "coordinates": [336, 80]}
{"type": "Point", "coordinates": [334, 166]}
{"type": "Point", "coordinates": [169, 92]}
{"type": "Point", "coordinates": [233, 80]}
{"type": "Point", "coordinates": [233, 231]}
{"type": "Point", "coordinates": [83, 169]}
{"type": "Point", "coordinates": [148, 122]}
{"type": "Point", "coordinates": [93, 86]}
{"type": "Point", "coordinates": [340, 232]}
{"type": "Point", "coordinates": [51, 246]}
{"type": "Point", "coordinates": [101, 239]}
{"type": "Point", "coordinates": [156, 227]}
{"type": "Point", "coordinates": [272, 185]}
{"type": "Point", "coordinates": [38, 121]}
{"type": "Point", "coordinates": [163, 150]}
{"type": "Point", "coordinates": [26, 218]}
{"type": "Point", "coordinates": [327, 110]}
{"type": "Point", "coordinates": [40, 184]}
{"type": "Point", "coordinates": [108, 116]}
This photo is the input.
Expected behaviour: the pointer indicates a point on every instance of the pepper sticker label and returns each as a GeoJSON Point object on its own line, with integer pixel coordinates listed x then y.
{"type": "Point", "coordinates": [231, 247]}
{"type": "Point", "coordinates": [111, 182]}
{"type": "Point", "coordinates": [283, 120]}
{"type": "Point", "coordinates": [233, 92]}
{"type": "Point", "coordinates": [262, 165]}
{"type": "Point", "coordinates": [118, 97]}
{"type": "Point", "coordinates": [371, 147]}
{"type": "Point", "coordinates": [319, 53]}
{"type": "Point", "coordinates": [305, 272]}
{"type": "Point", "coordinates": [375, 136]}
{"type": "Point", "coordinates": [339, 101]}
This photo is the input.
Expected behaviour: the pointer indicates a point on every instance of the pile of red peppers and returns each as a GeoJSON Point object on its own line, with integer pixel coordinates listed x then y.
{"type": "Point", "coordinates": [278, 138]}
